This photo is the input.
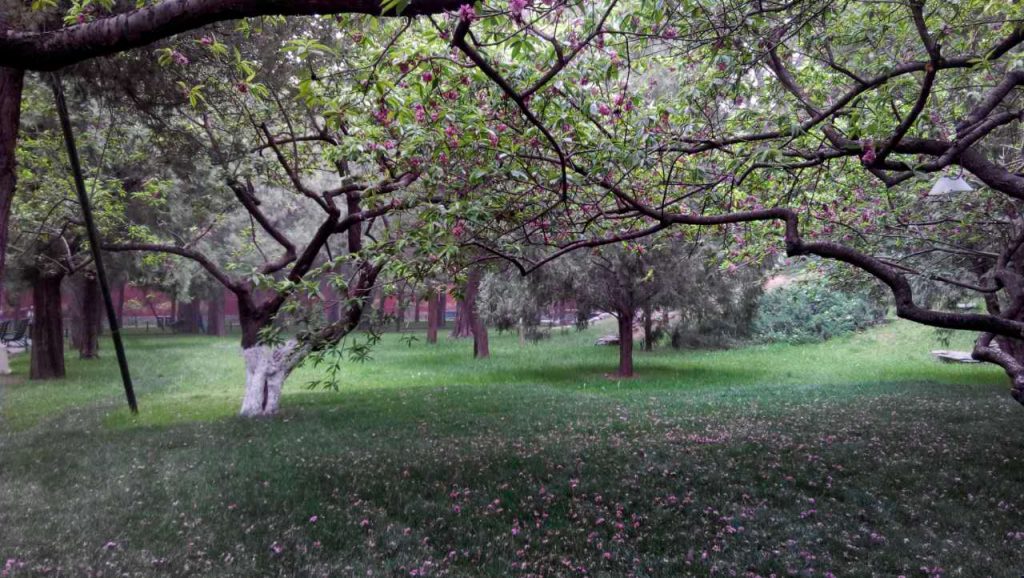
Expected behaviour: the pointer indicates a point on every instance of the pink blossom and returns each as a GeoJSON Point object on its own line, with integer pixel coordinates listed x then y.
{"type": "Point", "coordinates": [11, 565]}
{"type": "Point", "coordinates": [869, 152]}
{"type": "Point", "coordinates": [427, 76]}
{"type": "Point", "coordinates": [467, 13]}
{"type": "Point", "coordinates": [516, 7]}
{"type": "Point", "coordinates": [313, 519]}
{"type": "Point", "coordinates": [179, 58]}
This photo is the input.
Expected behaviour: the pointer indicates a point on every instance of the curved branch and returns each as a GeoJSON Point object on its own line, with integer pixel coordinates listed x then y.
{"type": "Point", "coordinates": [196, 256]}
{"type": "Point", "coordinates": [56, 49]}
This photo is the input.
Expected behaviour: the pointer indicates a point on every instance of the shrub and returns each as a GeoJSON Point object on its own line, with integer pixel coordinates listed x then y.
{"type": "Point", "coordinates": [813, 311]}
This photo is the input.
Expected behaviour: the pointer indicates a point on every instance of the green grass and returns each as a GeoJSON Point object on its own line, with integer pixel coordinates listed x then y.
{"type": "Point", "coordinates": [860, 456]}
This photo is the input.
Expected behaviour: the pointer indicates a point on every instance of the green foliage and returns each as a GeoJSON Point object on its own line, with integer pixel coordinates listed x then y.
{"type": "Point", "coordinates": [809, 311]}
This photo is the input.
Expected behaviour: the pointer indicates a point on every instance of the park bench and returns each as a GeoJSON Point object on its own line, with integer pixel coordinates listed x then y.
{"type": "Point", "coordinates": [18, 337]}
{"type": "Point", "coordinates": [949, 356]}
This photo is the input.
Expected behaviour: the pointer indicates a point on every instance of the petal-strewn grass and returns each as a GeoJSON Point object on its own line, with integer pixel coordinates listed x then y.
{"type": "Point", "coordinates": [855, 457]}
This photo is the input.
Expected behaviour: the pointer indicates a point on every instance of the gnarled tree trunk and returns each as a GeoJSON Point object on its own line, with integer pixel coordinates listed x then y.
{"type": "Point", "coordinates": [11, 82]}
{"type": "Point", "coordinates": [47, 357]}
{"type": "Point", "coordinates": [266, 369]}
{"type": "Point", "coordinates": [625, 319]}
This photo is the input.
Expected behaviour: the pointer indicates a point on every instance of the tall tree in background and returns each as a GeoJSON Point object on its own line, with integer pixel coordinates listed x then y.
{"type": "Point", "coordinates": [86, 314]}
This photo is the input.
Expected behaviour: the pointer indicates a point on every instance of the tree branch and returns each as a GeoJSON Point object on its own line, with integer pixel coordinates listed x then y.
{"type": "Point", "coordinates": [56, 49]}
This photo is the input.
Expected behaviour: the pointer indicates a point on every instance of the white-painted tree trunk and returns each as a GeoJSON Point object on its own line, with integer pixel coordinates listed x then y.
{"type": "Point", "coordinates": [5, 366]}
{"type": "Point", "coordinates": [266, 368]}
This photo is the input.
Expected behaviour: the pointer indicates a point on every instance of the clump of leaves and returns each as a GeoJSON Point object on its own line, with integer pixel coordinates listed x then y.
{"type": "Point", "coordinates": [812, 311]}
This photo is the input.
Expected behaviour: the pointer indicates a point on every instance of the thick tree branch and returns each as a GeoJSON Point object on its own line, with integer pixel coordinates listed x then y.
{"type": "Point", "coordinates": [196, 256]}
{"type": "Point", "coordinates": [56, 49]}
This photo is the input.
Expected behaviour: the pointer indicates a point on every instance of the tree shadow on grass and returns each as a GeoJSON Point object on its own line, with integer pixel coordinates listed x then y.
{"type": "Point", "coordinates": [522, 479]}
{"type": "Point", "coordinates": [600, 376]}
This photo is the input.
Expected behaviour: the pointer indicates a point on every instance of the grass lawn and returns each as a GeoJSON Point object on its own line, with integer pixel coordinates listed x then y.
{"type": "Point", "coordinates": [856, 457]}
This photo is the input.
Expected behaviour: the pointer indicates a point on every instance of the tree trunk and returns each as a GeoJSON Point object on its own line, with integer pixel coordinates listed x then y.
{"type": "Point", "coordinates": [648, 329]}
{"type": "Point", "coordinates": [465, 316]}
{"type": "Point", "coordinates": [521, 327]}
{"type": "Point", "coordinates": [215, 314]}
{"type": "Point", "coordinates": [266, 369]}
{"type": "Point", "coordinates": [463, 326]}
{"type": "Point", "coordinates": [442, 306]}
{"type": "Point", "coordinates": [625, 319]}
{"type": "Point", "coordinates": [11, 81]}
{"type": "Point", "coordinates": [399, 308]}
{"type": "Point", "coordinates": [433, 315]}
{"type": "Point", "coordinates": [416, 310]}
{"type": "Point", "coordinates": [191, 317]}
{"type": "Point", "coordinates": [76, 315]}
{"type": "Point", "coordinates": [481, 345]}
{"type": "Point", "coordinates": [90, 317]}
{"type": "Point", "coordinates": [47, 328]}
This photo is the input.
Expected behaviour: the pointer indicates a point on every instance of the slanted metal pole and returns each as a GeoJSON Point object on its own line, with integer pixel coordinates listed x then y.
{"type": "Point", "coordinates": [94, 239]}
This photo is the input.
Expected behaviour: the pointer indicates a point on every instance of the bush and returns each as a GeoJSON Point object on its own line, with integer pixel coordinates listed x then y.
{"type": "Point", "coordinates": [813, 311]}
